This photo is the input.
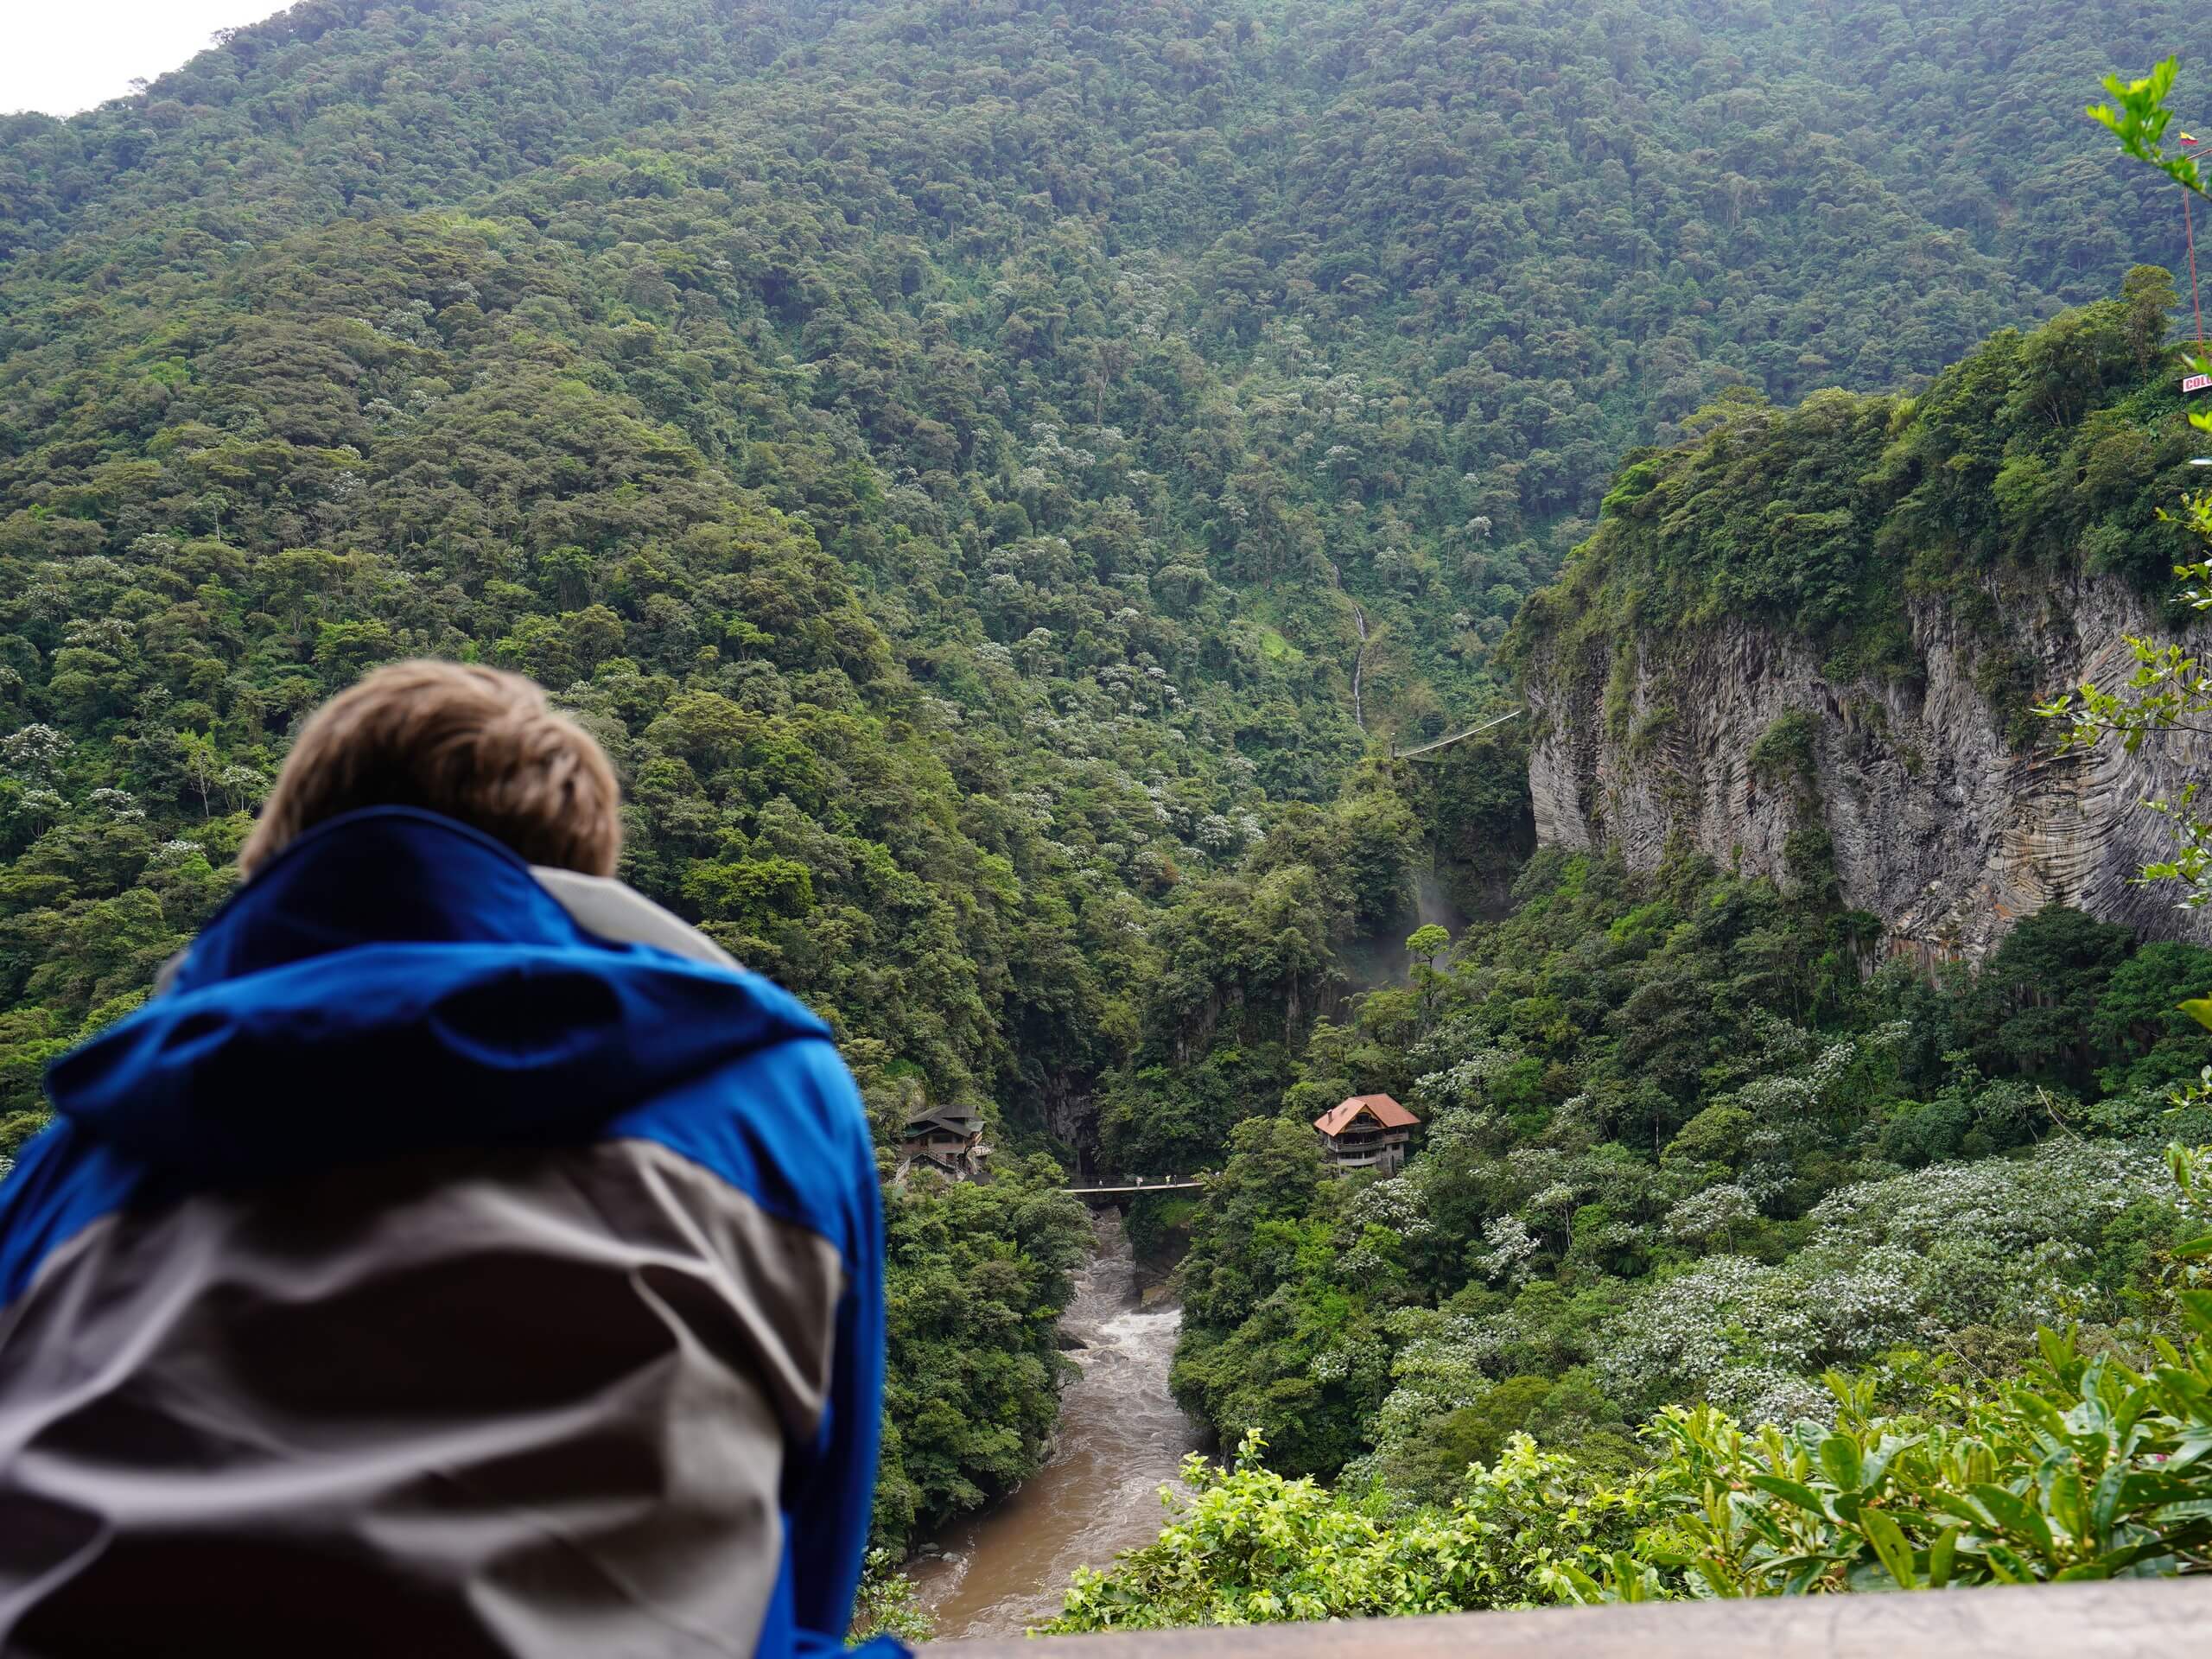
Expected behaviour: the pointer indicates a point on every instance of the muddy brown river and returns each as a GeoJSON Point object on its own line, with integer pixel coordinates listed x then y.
{"type": "Point", "coordinates": [1120, 1437]}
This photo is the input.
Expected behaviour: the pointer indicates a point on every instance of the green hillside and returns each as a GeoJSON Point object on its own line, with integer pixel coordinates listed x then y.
{"type": "Point", "coordinates": [2056, 448]}
{"type": "Point", "coordinates": [948, 454]}
{"type": "Point", "coordinates": [1734, 1258]}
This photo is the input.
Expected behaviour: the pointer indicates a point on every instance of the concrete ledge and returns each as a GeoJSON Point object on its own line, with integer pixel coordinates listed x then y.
{"type": "Point", "coordinates": [2169, 1619]}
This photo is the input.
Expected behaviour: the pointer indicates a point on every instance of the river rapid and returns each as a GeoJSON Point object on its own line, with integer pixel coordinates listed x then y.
{"type": "Point", "coordinates": [1120, 1437]}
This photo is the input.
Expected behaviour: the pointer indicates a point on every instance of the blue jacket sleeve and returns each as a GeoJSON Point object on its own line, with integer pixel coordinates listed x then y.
{"type": "Point", "coordinates": [830, 1500]}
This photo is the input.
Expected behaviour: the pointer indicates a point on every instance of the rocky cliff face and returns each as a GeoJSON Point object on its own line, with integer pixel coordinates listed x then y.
{"type": "Point", "coordinates": [1939, 826]}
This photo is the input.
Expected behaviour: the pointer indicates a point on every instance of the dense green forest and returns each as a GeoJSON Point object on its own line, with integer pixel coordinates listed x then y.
{"type": "Point", "coordinates": [1688, 1168]}
{"type": "Point", "coordinates": [1694, 1146]}
{"type": "Point", "coordinates": [1678, 1150]}
{"type": "Point", "coordinates": [2058, 448]}
{"type": "Point", "coordinates": [959, 459]}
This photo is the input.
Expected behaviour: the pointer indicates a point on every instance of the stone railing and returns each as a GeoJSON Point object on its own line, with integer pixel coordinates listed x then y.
{"type": "Point", "coordinates": [2132, 1619]}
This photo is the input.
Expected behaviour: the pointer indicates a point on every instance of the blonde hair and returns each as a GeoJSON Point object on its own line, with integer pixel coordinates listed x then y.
{"type": "Point", "coordinates": [475, 744]}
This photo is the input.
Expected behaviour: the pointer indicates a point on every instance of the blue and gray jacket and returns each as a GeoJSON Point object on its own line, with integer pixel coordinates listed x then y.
{"type": "Point", "coordinates": [426, 1272]}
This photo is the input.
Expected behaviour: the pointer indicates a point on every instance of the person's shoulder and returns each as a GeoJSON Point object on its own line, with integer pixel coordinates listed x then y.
{"type": "Point", "coordinates": [609, 910]}
{"type": "Point", "coordinates": [63, 1185]}
{"type": "Point", "coordinates": [783, 1123]}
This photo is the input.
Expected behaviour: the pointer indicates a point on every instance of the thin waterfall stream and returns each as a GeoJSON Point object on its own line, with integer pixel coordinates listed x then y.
{"type": "Point", "coordinates": [1120, 1435]}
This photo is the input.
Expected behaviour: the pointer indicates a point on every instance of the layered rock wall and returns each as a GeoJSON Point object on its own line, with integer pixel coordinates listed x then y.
{"type": "Point", "coordinates": [1939, 826]}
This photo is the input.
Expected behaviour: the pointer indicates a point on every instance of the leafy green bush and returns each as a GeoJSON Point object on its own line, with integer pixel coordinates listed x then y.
{"type": "Point", "coordinates": [886, 1605]}
{"type": "Point", "coordinates": [1247, 1546]}
{"type": "Point", "coordinates": [2086, 1469]}
{"type": "Point", "coordinates": [1159, 1226]}
{"type": "Point", "coordinates": [976, 1278]}
{"type": "Point", "coordinates": [1783, 753]}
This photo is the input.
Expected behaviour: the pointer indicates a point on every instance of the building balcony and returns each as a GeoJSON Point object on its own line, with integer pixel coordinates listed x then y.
{"type": "Point", "coordinates": [1360, 1160]}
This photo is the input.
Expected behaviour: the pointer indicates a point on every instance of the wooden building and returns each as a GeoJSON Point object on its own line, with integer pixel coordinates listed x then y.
{"type": "Point", "coordinates": [1366, 1131]}
{"type": "Point", "coordinates": [947, 1139]}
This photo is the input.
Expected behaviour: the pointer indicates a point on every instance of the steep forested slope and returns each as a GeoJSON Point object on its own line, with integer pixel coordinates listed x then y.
{"type": "Point", "coordinates": [1677, 1150]}
{"type": "Point", "coordinates": [1390, 286]}
{"type": "Point", "coordinates": [1807, 642]}
{"type": "Point", "coordinates": [940, 450]}
{"type": "Point", "coordinates": [1695, 1129]}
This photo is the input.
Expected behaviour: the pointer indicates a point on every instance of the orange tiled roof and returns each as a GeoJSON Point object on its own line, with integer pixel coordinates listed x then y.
{"type": "Point", "coordinates": [1383, 1109]}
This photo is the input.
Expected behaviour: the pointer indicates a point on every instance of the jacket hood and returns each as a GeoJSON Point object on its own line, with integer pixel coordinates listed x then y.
{"type": "Point", "coordinates": [394, 981]}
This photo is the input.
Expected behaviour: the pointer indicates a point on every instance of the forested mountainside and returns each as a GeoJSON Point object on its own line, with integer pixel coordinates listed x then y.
{"type": "Point", "coordinates": [1667, 1032]}
{"type": "Point", "coordinates": [959, 459]}
{"type": "Point", "coordinates": [1807, 643]}
{"type": "Point", "coordinates": [1707, 1140]}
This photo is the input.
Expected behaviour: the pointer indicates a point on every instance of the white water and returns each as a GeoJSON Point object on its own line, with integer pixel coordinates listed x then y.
{"type": "Point", "coordinates": [1120, 1437]}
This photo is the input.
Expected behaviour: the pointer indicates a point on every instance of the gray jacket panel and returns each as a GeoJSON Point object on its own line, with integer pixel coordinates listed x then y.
{"type": "Point", "coordinates": [600, 905]}
{"type": "Point", "coordinates": [401, 1406]}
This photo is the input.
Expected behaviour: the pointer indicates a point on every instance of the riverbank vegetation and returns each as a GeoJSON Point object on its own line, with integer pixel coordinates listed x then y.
{"type": "Point", "coordinates": [1738, 1257]}
{"type": "Point", "coordinates": [1735, 1260]}
{"type": "Point", "coordinates": [1677, 1149]}
{"type": "Point", "coordinates": [2084, 1468]}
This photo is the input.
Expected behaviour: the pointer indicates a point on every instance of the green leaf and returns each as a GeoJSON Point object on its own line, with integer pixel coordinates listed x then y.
{"type": "Point", "coordinates": [2149, 1487]}
{"type": "Point", "coordinates": [1720, 1584]}
{"type": "Point", "coordinates": [2066, 1501]}
{"type": "Point", "coordinates": [1940, 1554]}
{"type": "Point", "coordinates": [2139, 122]}
{"type": "Point", "coordinates": [1790, 1492]}
{"type": "Point", "coordinates": [1964, 1507]}
{"type": "Point", "coordinates": [1889, 1543]}
{"type": "Point", "coordinates": [1581, 1585]}
{"type": "Point", "coordinates": [2104, 1502]}
{"type": "Point", "coordinates": [2196, 1307]}
{"type": "Point", "coordinates": [1840, 1457]}
{"type": "Point", "coordinates": [2016, 1516]}
{"type": "Point", "coordinates": [1874, 1473]}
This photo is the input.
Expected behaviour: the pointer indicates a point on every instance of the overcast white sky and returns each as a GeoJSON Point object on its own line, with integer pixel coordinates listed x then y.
{"type": "Point", "coordinates": [65, 56]}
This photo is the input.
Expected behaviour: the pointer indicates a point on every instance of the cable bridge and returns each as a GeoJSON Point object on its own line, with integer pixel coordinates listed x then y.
{"type": "Point", "coordinates": [1446, 742]}
{"type": "Point", "coordinates": [1119, 1190]}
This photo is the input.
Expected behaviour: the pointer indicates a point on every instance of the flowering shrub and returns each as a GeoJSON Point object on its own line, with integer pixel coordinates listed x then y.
{"type": "Point", "coordinates": [2094, 1462]}
{"type": "Point", "coordinates": [1250, 1546]}
{"type": "Point", "coordinates": [2087, 1469]}
{"type": "Point", "coordinates": [1913, 1259]}
{"type": "Point", "coordinates": [1714, 1214]}
{"type": "Point", "coordinates": [2066, 1191]}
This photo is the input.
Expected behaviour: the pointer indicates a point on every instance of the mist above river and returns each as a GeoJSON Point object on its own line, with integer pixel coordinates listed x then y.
{"type": "Point", "coordinates": [1380, 959]}
{"type": "Point", "coordinates": [1120, 1435]}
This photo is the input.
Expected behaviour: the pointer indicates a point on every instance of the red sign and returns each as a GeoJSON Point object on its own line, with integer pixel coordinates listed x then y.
{"type": "Point", "coordinates": [2196, 383]}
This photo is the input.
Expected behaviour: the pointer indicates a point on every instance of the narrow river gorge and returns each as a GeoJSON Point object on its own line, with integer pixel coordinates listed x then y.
{"type": "Point", "coordinates": [1120, 1435]}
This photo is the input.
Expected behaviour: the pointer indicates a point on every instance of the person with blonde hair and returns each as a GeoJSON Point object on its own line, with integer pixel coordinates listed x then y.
{"type": "Point", "coordinates": [459, 1255]}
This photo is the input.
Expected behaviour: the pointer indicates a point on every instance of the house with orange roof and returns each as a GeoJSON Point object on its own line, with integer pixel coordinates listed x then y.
{"type": "Point", "coordinates": [1365, 1132]}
